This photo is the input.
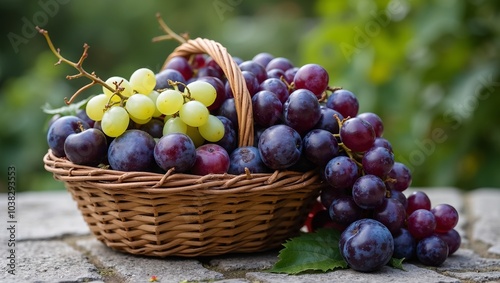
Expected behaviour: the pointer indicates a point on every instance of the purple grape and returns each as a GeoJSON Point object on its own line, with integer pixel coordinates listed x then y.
{"type": "Point", "coordinates": [176, 151]}
{"type": "Point", "coordinates": [280, 147]}
{"type": "Point", "coordinates": [132, 151]}
{"type": "Point", "coordinates": [391, 213]}
{"type": "Point", "coordinates": [237, 60]}
{"type": "Point", "coordinates": [400, 197]}
{"type": "Point", "coordinates": [279, 63]}
{"type": "Point", "coordinates": [263, 58]}
{"type": "Point", "coordinates": [366, 245]}
{"type": "Point", "coordinates": [209, 72]}
{"type": "Point", "coordinates": [421, 223]}
{"type": "Point", "coordinates": [290, 74]}
{"type": "Point", "coordinates": [165, 75]}
{"type": "Point", "coordinates": [61, 129]}
{"type": "Point", "coordinates": [277, 87]}
{"type": "Point", "coordinates": [320, 146]}
{"type": "Point", "coordinates": [418, 200]}
{"type": "Point", "coordinates": [82, 114]}
{"type": "Point", "coordinates": [375, 121]}
{"type": "Point", "coordinates": [446, 217]}
{"type": "Point", "coordinates": [180, 64]}
{"type": "Point", "coordinates": [404, 244]}
{"type": "Point", "coordinates": [267, 108]}
{"type": "Point", "coordinates": [312, 77]}
{"type": "Point", "coordinates": [357, 134]}
{"type": "Point", "coordinates": [219, 88]}
{"type": "Point", "coordinates": [344, 210]}
{"type": "Point", "coordinates": [250, 81]}
{"type": "Point", "coordinates": [341, 172]}
{"type": "Point", "coordinates": [401, 177]}
{"type": "Point", "coordinates": [452, 238]}
{"type": "Point", "coordinates": [381, 142]}
{"type": "Point", "coordinates": [368, 191]}
{"type": "Point", "coordinates": [228, 110]}
{"type": "Point", "coordinates": [246, 157]}
{"type": "Point", "coordinates": [343, 101]}
{"type": "Point", "coordinates": [154, 127]}
{"type": "Point", "coordinates": [328, 194]}
{"type": "Point", "coordinates": [327, 120]}
{"type": "Point", "coordinates": [378, 161]}
{"type": "Point", "coordinates": [230, 139]}
{"type": "Point", "coordinates": [275, 74]}
{"type": "Point", "coordinates": [255, 68]}
{"type": "Point", "coordinates": [301, 111]}
{"type": "Point", "coordinates": [86, 148]}
{"type": "Point", "coordinates": [432, 251]}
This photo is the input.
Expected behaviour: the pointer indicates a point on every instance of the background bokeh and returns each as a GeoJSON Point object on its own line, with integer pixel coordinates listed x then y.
{"type": "Point", "coordinates": [429, 69]}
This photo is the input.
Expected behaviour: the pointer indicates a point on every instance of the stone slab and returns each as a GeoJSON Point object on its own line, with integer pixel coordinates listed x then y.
{"type": "Point", "coordinates": [139, 269]}
{"type": "Point", "coordinates": [48, 261]}
{"type": "Point", "coordinates": [485, 212]}
{"type": "Point", "coordinates": [257, 261]}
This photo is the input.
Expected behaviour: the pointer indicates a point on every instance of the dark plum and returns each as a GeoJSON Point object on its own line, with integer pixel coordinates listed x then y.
{"type": "Point", "coordinates": [368, 191]}
{"type": "Point", "coordinates": [280, 147]}
{"type": "Point", "coordinates": [404, 244]}
{"type": "Point", "coordinates": [432, 251]}
{"type": "Point", "coordinates": [312, 77]}
{"type": "Point", "coordinates": [378, 161]}
{"type": "Point", "coordinates": [267, 108]}
{"type": "Point", "coordinates": [86, 148]}
{"type": "Point", "coordinates": [176, 151]}
{"type": "Point", "coordinates": [301, 111]}
{"type": "Point", "coordinates": [320, 146]}
{"type": "Point", "coordinates": [61, 129]}
{"type": "Point", "coordinates": [82, 114]}
{"type": "Point", "coordinates": [132, 151]}
{"type": "Point", "coordinates": [341, 172]}
{"type": "Point", "coordinates": [343, 101]}
{"type": "Point", "coordinates": [357, 134]}
{"type": "Point", "coordinates": [246, 157]}
{"type": "Point", "coordinates": [366, 245]}
{"type": "Point", "coordinates": [210, 159]}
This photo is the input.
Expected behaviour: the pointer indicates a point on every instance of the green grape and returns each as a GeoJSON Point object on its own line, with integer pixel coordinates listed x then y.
{"type": "Point", "coordinates": [140, 106]}
{"type": "Point", "coordinates": [154, 96]}
{"type": "Point", "coordinates": [143, 80]}
{"type": "Point", "coordinates": [195, 136]}
{"type": "Point", "coordinates": [95, 106]}
{"type": "Point", "coordinates": [194, 113]}
{"type": "Point", "coordinates": [115, 121]}
{"type": "Point", "coordinates": [174, 125]}
{"type": "Point", "coordinates": [201, 91]}
{"type": "Point", "coordinates": [140, 121]}
{"type": "Point", "coordinates": [212, 130]}
{"type": "Point", "coordinates": [127, 89]}
{"type": "Point", "coordinates": [170, 101]}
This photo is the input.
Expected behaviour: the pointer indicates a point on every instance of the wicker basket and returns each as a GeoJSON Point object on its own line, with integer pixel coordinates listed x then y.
{"type": "Point", "coordinates": [188, 215]}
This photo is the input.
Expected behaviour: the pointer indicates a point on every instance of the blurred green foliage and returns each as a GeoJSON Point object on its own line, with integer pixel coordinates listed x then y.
{"type": "Point", "coordinates": [429, 69]}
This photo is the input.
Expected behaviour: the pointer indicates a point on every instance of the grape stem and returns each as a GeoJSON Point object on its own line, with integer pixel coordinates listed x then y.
{"type": "Point", "coordinates": [78, 66]}
{"type": "Point", "coordinates": [170, 34]}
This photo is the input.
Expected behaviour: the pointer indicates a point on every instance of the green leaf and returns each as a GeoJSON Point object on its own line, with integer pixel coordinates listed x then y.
{"type": "Point", "coordinates": [317, 251]}
{"type": "Point", "coordinates": [65, 110]}
{"type": "Point", "coordinates": [396, 263]}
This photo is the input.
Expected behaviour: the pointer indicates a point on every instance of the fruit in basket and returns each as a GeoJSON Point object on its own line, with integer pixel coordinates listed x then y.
{"type": "Point", "coordinates": [246, 157]}
{"type": "Point", "coordinates": [60, 130]}
{"type": "Point", "coordinates": [132, 151]}
{"type": "Point", "coordinates": [176, 151]}
{"type": "Point", "coordinates": [88, 147]}
{"type": "Point", "coordinates": [280, 146]}
{"type": "Point", "coordinates": [210, 159]}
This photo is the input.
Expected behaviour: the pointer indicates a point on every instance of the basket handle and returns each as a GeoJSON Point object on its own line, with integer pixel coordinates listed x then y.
{"type": "Point", "coordinates": [234, 76]}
